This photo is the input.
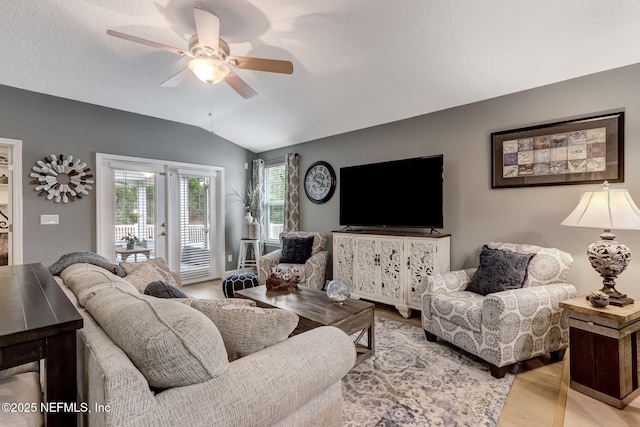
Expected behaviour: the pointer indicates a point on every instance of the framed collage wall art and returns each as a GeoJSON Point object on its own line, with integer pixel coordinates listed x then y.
{"type": "Point", "coordinates": [580, 151]}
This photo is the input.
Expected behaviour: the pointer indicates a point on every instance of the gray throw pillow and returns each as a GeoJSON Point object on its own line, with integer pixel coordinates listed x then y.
{"type": "Point", "coordinates": [499, 271]}
{"type": "Point", "coordinates": [162, 289]}
{"type": "Point", "coordinates": [87, 258]}
{"type": "Point", "coordinates": [296, 250]}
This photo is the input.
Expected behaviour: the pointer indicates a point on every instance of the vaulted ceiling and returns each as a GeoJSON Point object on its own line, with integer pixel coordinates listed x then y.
{"type": "Point", "coordinates": [357, 63]}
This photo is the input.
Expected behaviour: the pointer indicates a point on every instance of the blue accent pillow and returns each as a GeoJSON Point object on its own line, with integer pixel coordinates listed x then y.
{"type": "Point", "coordinates": [499, 271]}
{"type": "Point", "coordinates": [162, 289]}
{"type": "Point", "coordinates": [296, 250]}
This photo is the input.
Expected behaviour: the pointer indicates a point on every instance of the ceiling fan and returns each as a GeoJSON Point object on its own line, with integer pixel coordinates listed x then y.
{"type": "Point", "coordinates": [210, 59]}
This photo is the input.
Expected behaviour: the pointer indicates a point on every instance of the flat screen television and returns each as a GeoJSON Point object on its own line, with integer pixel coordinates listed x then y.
{"type": "Point", "coordinates": [400, 193]}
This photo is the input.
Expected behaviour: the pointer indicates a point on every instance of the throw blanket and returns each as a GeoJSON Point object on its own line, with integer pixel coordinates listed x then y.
{"type": "Point", "coordinates": [86, 257]}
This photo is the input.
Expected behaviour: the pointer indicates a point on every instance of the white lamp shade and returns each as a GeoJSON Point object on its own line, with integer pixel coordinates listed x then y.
{"type": "Point", "coordinates": [606, 209]}
{"type": "Point", "coordinates": [209, 70]}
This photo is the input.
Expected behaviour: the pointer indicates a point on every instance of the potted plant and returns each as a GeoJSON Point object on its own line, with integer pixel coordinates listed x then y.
{"type": "Point", "coordinates": [131, 240]}
{"type": "Point", "coordinates": [250, 226]}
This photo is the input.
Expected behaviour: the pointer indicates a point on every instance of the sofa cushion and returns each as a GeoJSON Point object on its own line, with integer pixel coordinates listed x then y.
{"type": "Point", "coordinates": [20, 369]}
{"type": "Point", "coordinates": [24, 390]}
{"type": "Point", "coordinates": [499, 271]}
{"type": "Point", "coordinates": [296, 250]}
{"type": "Point", "coordinates": [461, 308]}
{"type": "Point", "coordinates": [142, 273]}
{"type": "Point", "coordinates": [86, 280]}
{"type": "Point", "coordinates": [162, 289]}
{"type": "Point", "coordinates": [170, 343]}
{"type": "Point", "coordinates": [247, 329]}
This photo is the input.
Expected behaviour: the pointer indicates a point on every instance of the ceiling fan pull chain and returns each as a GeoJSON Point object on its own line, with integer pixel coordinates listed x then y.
{"type": "Point", "coordinates": [210, 105]}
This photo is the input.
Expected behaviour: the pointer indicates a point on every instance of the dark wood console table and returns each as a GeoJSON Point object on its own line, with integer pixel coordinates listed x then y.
{"type": "Point", "coordinates": [37, 321]}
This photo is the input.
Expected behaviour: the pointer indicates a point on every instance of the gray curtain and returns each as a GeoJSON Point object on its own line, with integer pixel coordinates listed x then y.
{"type": "Point", "coordinates": [257, 181]}
{"type": "Point", "coordinates": [292, 192]}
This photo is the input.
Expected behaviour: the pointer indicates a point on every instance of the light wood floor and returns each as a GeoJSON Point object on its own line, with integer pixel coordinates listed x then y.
{"type": "Point", "coordinates": [540, 395]}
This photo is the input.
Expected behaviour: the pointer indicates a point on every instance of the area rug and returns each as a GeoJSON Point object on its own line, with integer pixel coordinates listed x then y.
{"type": "Point", "coordinates": [413, 382]}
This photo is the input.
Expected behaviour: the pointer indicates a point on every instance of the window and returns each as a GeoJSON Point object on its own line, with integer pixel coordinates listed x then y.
{"type": "Point", "coordinates": [274, 201]}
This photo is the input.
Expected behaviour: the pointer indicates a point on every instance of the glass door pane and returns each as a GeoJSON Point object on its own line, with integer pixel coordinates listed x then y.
{"type": "Point", "coordinates": [194, 216]}
{"type": "Point", "coordinates": [135, 213]}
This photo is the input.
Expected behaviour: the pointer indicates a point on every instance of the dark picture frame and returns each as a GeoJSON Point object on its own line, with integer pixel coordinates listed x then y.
{"type": "Point", "coordinates": [580, 151]}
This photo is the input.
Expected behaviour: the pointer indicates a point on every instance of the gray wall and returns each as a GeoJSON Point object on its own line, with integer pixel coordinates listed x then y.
{"type": "Point", "coordinates": [474, 213]}
{"type": "Point", "coordinates": [51, 125]}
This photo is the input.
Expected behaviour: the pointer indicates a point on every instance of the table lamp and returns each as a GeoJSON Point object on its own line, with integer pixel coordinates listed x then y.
{"type": "Point", "coordinates": [607, 209]}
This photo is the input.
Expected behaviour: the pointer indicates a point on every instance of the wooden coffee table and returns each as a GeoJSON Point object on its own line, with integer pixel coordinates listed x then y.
{"type": "Point", "coordinates": [315, 309]}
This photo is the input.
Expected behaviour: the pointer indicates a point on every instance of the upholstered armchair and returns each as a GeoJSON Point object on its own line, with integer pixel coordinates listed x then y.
{"type": "Point", "coordinates": [310, 268]}
{"type": "Point", "coordinates": [507, 326]}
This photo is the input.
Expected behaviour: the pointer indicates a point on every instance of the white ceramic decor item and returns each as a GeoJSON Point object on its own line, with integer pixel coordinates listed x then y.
{"type": "Point", "coordinates": [246, 225]}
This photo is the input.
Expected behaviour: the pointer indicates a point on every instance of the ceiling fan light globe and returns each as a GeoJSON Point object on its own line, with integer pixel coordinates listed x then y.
{"type": "Point", "coordinates": [209, 70]}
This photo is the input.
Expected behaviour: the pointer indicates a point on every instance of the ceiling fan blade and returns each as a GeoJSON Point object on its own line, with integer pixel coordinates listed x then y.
{"type": "Point", "coordinates": [239, 85]}
{"type": "Point", "coordinates": [177, 78]}
{"type": "Point", "coordinates": [261, 64]}
{"type": "Point", "coordinates": [207, 27]}
{"type": "Point", "coordinates": [148, 43]}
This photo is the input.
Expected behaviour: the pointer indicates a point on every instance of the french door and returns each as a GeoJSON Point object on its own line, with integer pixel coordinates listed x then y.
{"type": "Point", "coordinates": [10, 201]}
{"type": "Point", "coordinates": [151, 208]}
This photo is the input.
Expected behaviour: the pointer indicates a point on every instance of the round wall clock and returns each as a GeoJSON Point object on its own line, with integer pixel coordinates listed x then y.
{"type": "Point", "coordinates": [61, 179]}
{"type": "Point", "coordinates": [319, 182]}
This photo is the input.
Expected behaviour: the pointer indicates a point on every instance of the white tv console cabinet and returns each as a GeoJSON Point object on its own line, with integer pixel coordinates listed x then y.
{"type": "Point", "coordinates": [388, 267]}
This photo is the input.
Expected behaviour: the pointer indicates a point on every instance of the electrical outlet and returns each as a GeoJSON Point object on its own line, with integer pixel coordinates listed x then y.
{"type": "Point", "coordinates": [230, 258]}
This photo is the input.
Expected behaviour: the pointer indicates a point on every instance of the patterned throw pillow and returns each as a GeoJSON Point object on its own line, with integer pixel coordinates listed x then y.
{"type": "Point", "coordinates": [246, 329]}
{"type": "Point", "coordinates": [499, 271]}
{"type": "Point", "coordinates": [296, 250]}
{"type": "Point", "coordinates": [140, 274]}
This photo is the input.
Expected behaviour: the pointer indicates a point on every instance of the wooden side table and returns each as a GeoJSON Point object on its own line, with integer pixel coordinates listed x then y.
{"type": "Point", "coordinates": [603, 348]}
{"type": "Point", "coordinates": [37, 321]}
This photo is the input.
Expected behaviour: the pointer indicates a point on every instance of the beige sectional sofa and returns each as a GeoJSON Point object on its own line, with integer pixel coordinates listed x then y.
{"type": "Point", "coordinates": [162, 362]}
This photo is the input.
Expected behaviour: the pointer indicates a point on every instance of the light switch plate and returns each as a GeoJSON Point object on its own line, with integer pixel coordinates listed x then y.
{"type": "Point", "coordinates": [49, 219]}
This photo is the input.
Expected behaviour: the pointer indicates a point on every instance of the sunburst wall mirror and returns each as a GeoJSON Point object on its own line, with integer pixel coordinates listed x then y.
{"type": "Point", "coordinates": [62, 179]}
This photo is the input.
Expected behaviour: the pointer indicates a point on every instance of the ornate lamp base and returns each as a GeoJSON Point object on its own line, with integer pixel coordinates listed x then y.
{"type": "Point", "coordinates": [610, 258]}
